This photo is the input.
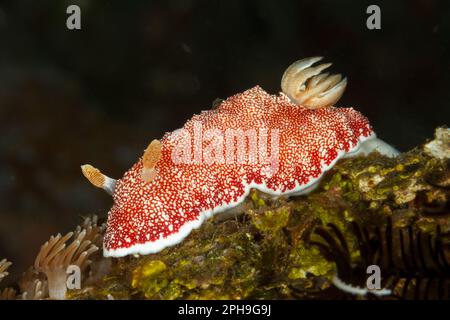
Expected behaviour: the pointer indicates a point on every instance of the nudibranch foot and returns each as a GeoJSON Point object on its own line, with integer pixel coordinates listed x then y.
{"type": "Point", "coordinates": [357, 290]}
{"type": "Point", "coordinates": [379, 146]}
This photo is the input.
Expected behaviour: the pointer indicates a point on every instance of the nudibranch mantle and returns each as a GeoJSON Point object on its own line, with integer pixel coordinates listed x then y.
{"type": "Point", "coordinates": [299, 145]}
{"type": "Point", "coordinates": [149, 216]}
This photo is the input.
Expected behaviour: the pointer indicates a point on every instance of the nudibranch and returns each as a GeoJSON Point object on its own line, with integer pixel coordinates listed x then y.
{"type": "Point", "coordinates": [279, 144]}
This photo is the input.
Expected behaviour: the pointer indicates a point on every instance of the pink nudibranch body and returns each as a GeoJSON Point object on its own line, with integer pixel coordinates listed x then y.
{"type": "Point", "coordinates": [149, 216]}
{"type": "Point", "coordinates": [161, 199]}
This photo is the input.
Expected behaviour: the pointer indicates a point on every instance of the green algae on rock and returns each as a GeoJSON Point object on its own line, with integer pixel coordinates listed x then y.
{"type": "Point", "coordinates": [266, 251]}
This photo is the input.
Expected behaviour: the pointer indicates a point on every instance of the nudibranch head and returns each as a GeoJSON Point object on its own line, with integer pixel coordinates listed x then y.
{"type": "Point", "coordinates": [251, 140]}
{"type": "Point", "coordinates": [98, 179]}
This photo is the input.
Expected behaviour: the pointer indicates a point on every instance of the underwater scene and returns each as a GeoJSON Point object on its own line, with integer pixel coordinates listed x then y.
{"type": "Point", "coordinates": [224, 150]}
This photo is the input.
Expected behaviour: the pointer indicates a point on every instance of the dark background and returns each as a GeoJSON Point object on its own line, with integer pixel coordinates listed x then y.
{"type": "Point", "coordinates": [140, 68]}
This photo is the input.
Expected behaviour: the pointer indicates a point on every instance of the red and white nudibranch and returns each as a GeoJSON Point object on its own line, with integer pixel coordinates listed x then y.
{"type": "Point", "coordinates": [279, 144]}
